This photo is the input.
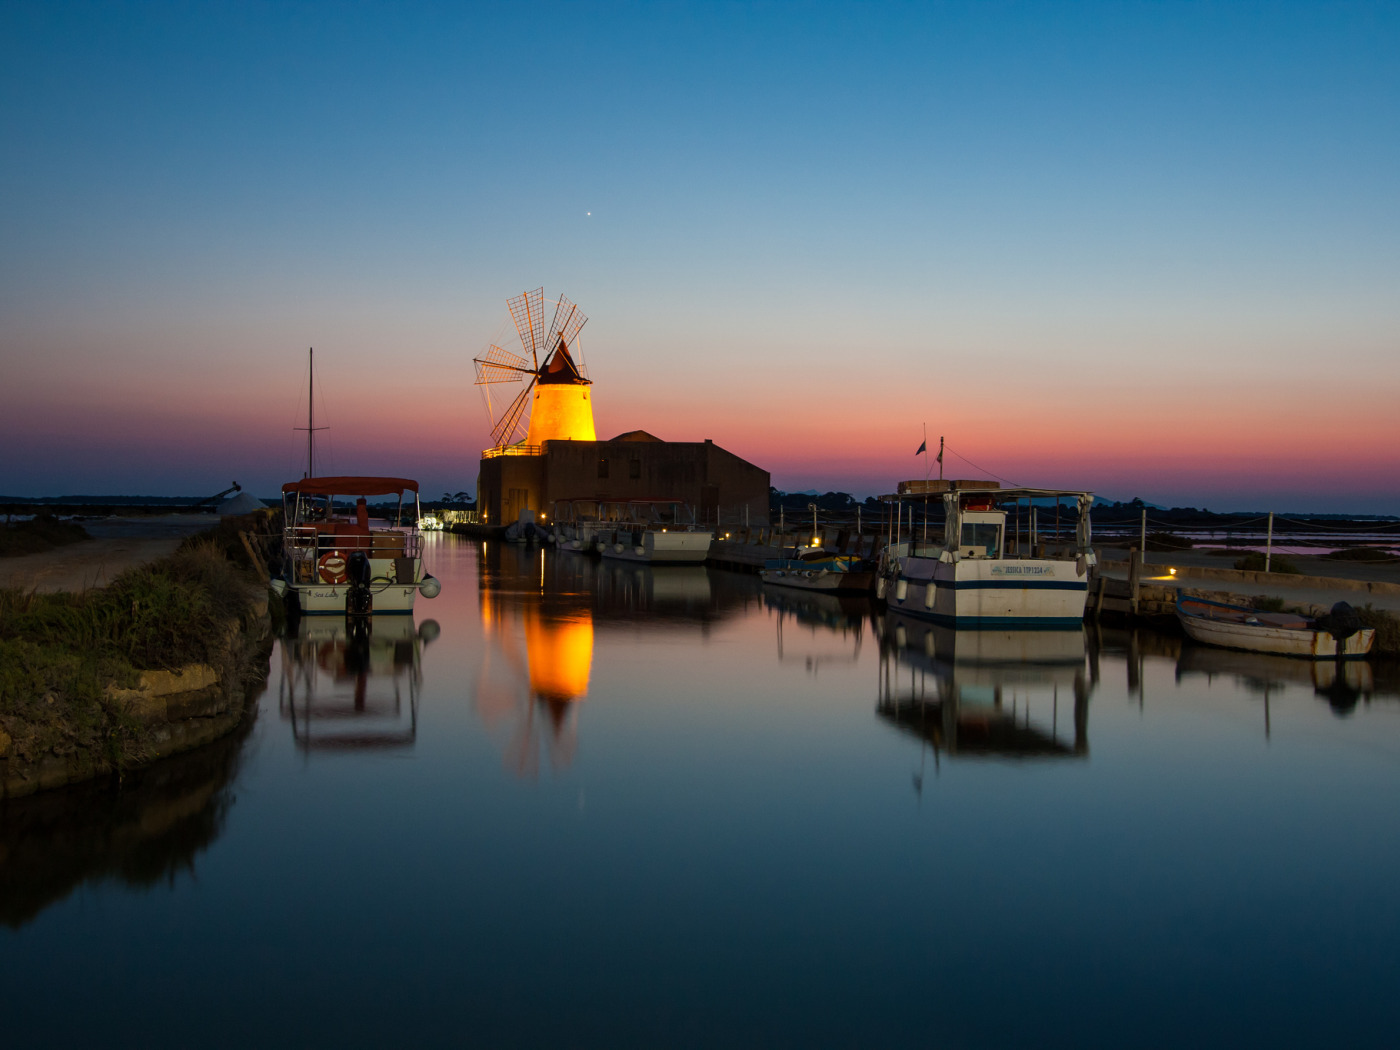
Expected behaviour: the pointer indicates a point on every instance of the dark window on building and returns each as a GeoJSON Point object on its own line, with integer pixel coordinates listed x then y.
{"type": "Point", "coordinates": [602, 468]}
{"type": "Point", "coordinates": [636, 470]}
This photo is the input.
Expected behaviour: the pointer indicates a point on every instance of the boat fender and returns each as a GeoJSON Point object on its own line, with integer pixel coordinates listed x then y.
{"type": "Point", "coordinates": [640, 551]}
{"type": "Point", "coordinates": [947, 557]}
{"type": "Point", "coordinates": [617, 547]}
{"type": "Point", "coordinates": [880, 587]}
{"type": "Point", "coordinates": [901, 590]}
{"type": "Point", "coordinates": [279, 587]}
{"type": "Point", "coordinates": [331, 567]}
{"type": "Point", "coordinates": [929, 592]}
{"type": "Point", "coordinates": [1081, 565]}
{"type": "Point", "coordinates": [429, 586]}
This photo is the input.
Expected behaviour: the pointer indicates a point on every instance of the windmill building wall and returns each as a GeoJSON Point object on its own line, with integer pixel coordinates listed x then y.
{"type": "Point", "coordinates": [723, 488]}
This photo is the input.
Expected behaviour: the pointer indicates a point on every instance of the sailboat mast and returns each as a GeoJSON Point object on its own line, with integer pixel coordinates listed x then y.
{"type": "Point", "coordinates": [311, 413]}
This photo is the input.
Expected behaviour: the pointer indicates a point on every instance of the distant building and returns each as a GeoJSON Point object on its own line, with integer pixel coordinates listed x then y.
{"type": "Point", "coordinates": [723, 489]}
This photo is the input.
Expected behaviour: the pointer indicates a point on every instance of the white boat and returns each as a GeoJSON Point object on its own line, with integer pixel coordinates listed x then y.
{"type": "Point", "coordinates": [818, 569]}
{"type": "Point", "coordinates": [978, 576]}
{"type": "Point", "coordinates": [337, 560]}
{"type": "Point", "coordinates": [653, 531]}
{"type": "Point", "coordinates": [576, 525]}
{"type": "Point", "coordinates": [1338, 635]}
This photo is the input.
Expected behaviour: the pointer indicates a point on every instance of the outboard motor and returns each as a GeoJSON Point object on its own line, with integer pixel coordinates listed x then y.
{"type": "Point", "coordinates": [1341, 623]}
{"type": "Point", "coordinates": [359, 602]}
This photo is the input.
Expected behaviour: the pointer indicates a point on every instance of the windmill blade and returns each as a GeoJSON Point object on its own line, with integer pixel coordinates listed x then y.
{"type": "Point", "coordinates": [568, 319]}
{"type": "Point", "coordinates": [500, 366]}
{"type": "Point", "coordinates": [527, 311]}
{"type": "Point", "coordinates": [503, 431]}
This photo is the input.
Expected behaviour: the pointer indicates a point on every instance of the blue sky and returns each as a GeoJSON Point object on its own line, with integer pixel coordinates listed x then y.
{"type": "Point", "coordinates": [1132, 246]}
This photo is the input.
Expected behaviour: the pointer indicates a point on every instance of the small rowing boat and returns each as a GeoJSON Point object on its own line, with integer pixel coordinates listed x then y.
{"type": "Point", "coordinates": [1337, 635]}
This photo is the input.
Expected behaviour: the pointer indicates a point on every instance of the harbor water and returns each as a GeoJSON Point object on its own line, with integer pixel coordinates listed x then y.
{"type": "Point", "coordinates": [582, 803]}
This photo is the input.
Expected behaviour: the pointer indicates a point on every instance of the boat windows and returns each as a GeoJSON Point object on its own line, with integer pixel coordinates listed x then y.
{"type": "Point", "coordinates": [980, 539]}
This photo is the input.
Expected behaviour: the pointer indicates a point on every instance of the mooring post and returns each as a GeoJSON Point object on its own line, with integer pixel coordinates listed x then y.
{"type": "Point", "coordinates": [1142, 545]}
{"type": "Point", "coordinates": [1269, 544]}
{"type": "Point", "coordinates": [1134, 576]}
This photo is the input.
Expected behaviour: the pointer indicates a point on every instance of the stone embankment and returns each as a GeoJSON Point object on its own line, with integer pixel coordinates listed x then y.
{"type": "Point", "coordinates": [170, 711]}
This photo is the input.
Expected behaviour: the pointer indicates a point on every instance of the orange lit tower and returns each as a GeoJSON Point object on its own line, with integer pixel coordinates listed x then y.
{"type": "Point", "coordinates": [557, 394]}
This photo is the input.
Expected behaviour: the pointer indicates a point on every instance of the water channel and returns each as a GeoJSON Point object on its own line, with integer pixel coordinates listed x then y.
{"type": "Point", "coordinates": [574, 803]}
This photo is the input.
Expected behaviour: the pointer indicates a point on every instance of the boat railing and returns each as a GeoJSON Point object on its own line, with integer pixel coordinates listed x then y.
{"type": "Point", "coordinates": [310, 541]}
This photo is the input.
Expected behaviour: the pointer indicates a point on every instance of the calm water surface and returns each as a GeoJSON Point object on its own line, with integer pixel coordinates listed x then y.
{"type": "Point", "coordinates": [596, 805]}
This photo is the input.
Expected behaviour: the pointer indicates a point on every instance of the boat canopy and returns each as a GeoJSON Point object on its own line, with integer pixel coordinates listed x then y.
{"type": "Point", "coordinates": [989, 494]}
{"type": "Point", "coordinates": [352, 486]}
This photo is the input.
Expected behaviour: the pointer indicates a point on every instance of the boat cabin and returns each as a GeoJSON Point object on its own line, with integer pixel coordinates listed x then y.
{"type": "Point", "coordinates": [982, 521]}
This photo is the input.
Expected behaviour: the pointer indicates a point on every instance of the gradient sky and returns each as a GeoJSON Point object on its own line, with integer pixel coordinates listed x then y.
{"type": "Point", "coordinates": [1151, 249]}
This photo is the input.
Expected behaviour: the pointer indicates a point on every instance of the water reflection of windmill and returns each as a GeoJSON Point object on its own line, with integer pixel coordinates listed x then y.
{"type": "Point", "coordinates": [539, 654]}
{"type": "Point", "coordinates": [985, 693]}
{"type": "Point", "coordinates": [344, 688]}
{"type": "Point", "coordinates": [556, 394]}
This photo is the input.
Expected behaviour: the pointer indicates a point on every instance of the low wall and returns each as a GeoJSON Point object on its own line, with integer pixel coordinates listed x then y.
{"type": "Point", "coordinates": [177, 710]}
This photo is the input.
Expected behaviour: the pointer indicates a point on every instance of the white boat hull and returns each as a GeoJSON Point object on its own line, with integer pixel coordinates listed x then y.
{"type": "Point", "coordinates": [1284, 641]}
{"type": "Point", "coordinates": [660, 547]}
{"type": "Point", "coordinates": [989, 593]}
{"type": "Point", "coordinates": [321, 598]}
{"type": "Point", "coordinates": [819, 580]}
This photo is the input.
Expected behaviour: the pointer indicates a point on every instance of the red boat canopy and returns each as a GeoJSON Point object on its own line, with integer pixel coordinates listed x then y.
{"type": "Point", "coordinates": [350, 486]}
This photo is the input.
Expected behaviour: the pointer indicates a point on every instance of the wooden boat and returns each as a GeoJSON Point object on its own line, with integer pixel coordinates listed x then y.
{"type": "Point", "coordinates": [337, 561]}
{"type": "Point", "coordinates": [981, 577]}
{"type": "Point", "coordinates": [818, 569]}
{"type": "Point", "coordinates": [1338, 635]}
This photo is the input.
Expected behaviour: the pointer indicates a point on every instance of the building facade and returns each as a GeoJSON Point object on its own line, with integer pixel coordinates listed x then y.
{"type": "Point", "coordinates": [723, 489]}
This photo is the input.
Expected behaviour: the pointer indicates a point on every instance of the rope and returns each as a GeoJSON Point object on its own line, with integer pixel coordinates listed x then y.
{"type": "Point", "coordinates": [984, 470]}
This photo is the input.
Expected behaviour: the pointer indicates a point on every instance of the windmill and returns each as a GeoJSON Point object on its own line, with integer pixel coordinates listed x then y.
{"type": "Point", "coordinates": [556, 394]}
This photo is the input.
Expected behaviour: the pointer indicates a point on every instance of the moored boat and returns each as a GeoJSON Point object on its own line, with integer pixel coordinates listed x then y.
{"type": "Point", "coordinates": [653, 531]}
{"type": "Point", "coordinates": [819, 569]}
{"type": "Point", "coordinates": [1338, 635]}
{"type": "Point", "coordinates": [977, 576]}
{"type": "Point", "coordinates": [336, 559]}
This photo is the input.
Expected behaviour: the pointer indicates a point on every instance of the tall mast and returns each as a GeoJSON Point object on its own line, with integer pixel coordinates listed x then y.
{"type": "Point", "coordinates": [311, 412]}
{"type": "Point", "coordinates": [311, 426]}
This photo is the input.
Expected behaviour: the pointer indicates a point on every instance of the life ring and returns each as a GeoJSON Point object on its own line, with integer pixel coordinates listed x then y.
{"type": "Point", "coordinates": [331, 567]}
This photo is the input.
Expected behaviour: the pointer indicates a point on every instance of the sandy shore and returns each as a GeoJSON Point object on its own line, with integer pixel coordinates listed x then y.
{"type": "Point", "coordinates": [118, 544]}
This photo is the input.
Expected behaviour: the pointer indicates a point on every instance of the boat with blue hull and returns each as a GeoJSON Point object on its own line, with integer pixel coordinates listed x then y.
{"type": "Point", "coordinates": [978, 576]}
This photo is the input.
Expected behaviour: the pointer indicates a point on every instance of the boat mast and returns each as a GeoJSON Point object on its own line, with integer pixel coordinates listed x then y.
{"type": "Point", "coordinates": [311, 426]}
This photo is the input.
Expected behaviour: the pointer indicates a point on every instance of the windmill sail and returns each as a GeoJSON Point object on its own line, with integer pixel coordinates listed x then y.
{"type": "Point", "coordinates": [527, 311]}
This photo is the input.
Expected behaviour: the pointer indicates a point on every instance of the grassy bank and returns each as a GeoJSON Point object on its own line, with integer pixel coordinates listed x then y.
{"type": "Point", "coordinates": [41, 533]}
{"type": "Point", "coordinates": [62, 656]}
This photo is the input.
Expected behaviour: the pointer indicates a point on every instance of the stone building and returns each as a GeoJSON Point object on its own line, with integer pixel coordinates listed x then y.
{"type": "Point", "coordinates": [723, 489]}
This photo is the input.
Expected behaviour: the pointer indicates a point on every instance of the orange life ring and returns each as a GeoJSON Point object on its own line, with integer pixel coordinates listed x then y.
{"type": "Point", "coordinates": [332, 567]}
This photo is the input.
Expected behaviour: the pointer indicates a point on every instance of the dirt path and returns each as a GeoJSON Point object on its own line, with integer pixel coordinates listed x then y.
{"type": "Point", "coordinates": [118, 544]}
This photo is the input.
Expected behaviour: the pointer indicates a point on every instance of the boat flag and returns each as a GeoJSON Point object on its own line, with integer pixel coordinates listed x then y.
{"type": "Point", "coordinates": [922, 449]}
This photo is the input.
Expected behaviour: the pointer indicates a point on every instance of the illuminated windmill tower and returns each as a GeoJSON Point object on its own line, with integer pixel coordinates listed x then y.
{"type": "Point", "coordinates": [556, 395]}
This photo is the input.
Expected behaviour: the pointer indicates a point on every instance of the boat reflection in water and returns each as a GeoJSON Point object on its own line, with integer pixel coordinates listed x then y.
{"type": "Point", "coordinates": [353, 688]}
{"type": "Point", "coordinates": [825, 619]}
{"type": "Point", "coordinates": [986, 693]}
{"type": "Point", "coordinates": [1341, 683]}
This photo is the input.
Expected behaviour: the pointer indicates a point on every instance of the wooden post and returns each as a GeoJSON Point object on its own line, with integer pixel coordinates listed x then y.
{"type": "Point", "coordinates": [1269, 544]}
{"type": "Point", "coordinates": [253, 555]}
{"type": "Point", "coordinates": [1134, 577]}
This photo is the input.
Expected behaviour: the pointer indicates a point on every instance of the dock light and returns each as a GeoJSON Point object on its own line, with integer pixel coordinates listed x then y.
{"type": "Point", "coordinates": [1172, 571]}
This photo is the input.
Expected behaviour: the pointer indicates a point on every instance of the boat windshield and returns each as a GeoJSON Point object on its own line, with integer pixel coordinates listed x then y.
{"type": "Point", "coordinates": [981, 539]}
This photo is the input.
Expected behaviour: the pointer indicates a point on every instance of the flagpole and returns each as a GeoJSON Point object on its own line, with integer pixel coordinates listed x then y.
{"type": "Point", "coordinates": [940, 457]}
{"type": "Point", "coordinates": [924, 446]}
